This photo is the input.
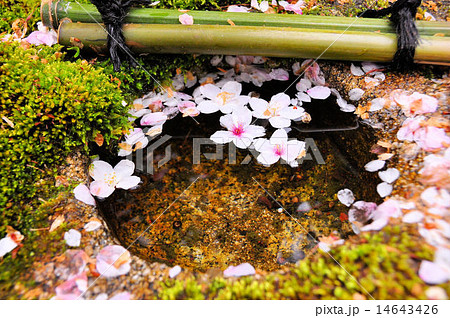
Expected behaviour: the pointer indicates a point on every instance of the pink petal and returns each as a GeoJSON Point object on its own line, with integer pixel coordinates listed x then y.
{"type": "Point", "coordinates": [319, 92]}
{"type": "Point", "coordinates": [154, 119]}
{"type": "Point", "coordinates": [73, 288]}
{"type": "Point", "coordinates": [174, 271]}
{"type": "Point", "coordinates": [279, 74]}
{"type": "Point", "coordinates": [356, 70]}
{"type": "Point", "coordinates": [100, 189]}
{"type": "Point", "coordinates": [6, 246]}
{"type": "Point", "coordinates": [346, 197]}
{"type": "Point", "coordinates": [239, 270]}
{"type": "Point", "coordinates": [128, 182]}
{"type": "Point", "coordinates": [83, 194]}
{"type": "Point", "coordinates": [121, 296]}
{"type": "Point", "coordinates": [374, 165]}
{"type": "Point", "coordinates": [389, 175]}
{"type": "Point", "coordinates": [431, 273]}
{"type": "Point", "coordinates": [235, 8]}
{"type": "Point", "coordinates": [72, 238]}
{"type": "Point", "coordinates": [186, 19]}
{"type": "Point", "coordinates": [108, 256]}
{"type": "Point", "coordinates": [99, 169]}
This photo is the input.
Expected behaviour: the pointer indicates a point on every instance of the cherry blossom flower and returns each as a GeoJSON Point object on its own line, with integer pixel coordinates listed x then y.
{"type": "Point", "coordinates": [42, 36]}
{"type": "Point", "coordinates": [113, 261]}
{"type": "Point", "coordinates": [360, 213]}
{"type": "Point", "coordinates": [263, 6]}
{"type": "Point", "coordinates": [72, 289]}
{"type": "Point", "coordinates": [313, 73]}
{"type": "Point", "coordinates": [431, 138]}
{"type": "Point", "coordinates": [416, 103]}
{"type": "Point", "coordinates": [106, 179]}
{"type": "Point", "coordinates": [296, 8]}
{"type": "Point", "coordinates": [134, 140]}
{"type": "Point", "coordinates": [188, 108]}
{"type": "Point", "coordinates": [226, 99]}
{"type": "Point", "coordinates": [83, 194]}
{"type": "Point", "coordinates": [436, 170]}
{"type": "Point", "coordinates": [186, 19]}
{"type": "Point", "coordinates": [279, 74]}
{"type": "Point", "coordinates": [244, 269]}
{"type": "Point", "coordinates": [239, 131]}
{"type": "Point", "coordinates": [277, 110]}
{"type": "Point", "coordinates": [389, 208]}
{"type": "Point", "coordinates": [278, 147]}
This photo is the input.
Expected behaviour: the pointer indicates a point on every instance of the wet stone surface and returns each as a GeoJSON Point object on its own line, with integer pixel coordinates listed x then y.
{"type": "Point", "coordinates": [223, 208]}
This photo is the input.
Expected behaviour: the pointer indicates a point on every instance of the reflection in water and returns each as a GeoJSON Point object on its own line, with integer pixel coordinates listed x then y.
{"type": "Point", "coordinates": [226, 217]}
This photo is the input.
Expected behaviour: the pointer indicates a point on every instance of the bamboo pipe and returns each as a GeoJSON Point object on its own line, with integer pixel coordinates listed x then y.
{"type": "Point", "coordinates": [54, 11]}
{"type": "Point", "coordinates": [251, 40]}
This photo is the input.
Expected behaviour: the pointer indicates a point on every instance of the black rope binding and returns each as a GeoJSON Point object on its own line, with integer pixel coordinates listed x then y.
{"type": "Point", "coordinates": [403, 14]}
{"type": "Point", "coordinates": [113, 13]}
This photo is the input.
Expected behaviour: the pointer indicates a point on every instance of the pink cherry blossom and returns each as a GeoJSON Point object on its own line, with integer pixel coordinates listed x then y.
{"type": "Point", "coordinates": [416, 103]}
{"type": "Point", "coordinates": [188, 108]}
{"type": "Point", "coordinates": [73, 288]}
{"type": "Point", "coordinates": [106, 179]}
{"type": "Point", "coordinates": [313, 73]}
{"type": "Point", "coordinates": [225, 99]}
{"type": "Point", "coordinates": [296, 8]}
{"type": "Point", "coordinates": [239, 129]}
{"type": "Point", "coordinates": [278, 147]}
{"type": "Point", "coordinates": [388, 209]}
{"type": "Point", "coordinates": [42, 36]}
{"type": "Point", "coordinates": [278, 110]}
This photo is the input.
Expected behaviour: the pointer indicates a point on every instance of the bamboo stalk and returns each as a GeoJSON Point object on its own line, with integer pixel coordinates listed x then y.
{"type": "Point", "coordinates": [250, 40]}
{"type": "Point", "coordinates": [53, 11]}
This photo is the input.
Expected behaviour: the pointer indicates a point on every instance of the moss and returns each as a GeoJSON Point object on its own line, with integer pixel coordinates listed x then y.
{"type": "Point", "coordinates": [380, 268]}
{"type": "Point", "coordinates": [51, 107]}
{"type": "Point", "coordinates": [27, 10]}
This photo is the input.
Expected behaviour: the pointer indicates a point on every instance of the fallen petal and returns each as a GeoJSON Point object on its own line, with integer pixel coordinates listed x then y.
{"type": "Point", "coordinates": [346, 197]}
{"type": "Point", "coordinates": [239, 270]}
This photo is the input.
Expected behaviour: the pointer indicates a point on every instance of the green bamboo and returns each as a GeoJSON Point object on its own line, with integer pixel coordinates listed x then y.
{"type": "Point", "coordinates": [250, 40]}
{"type": "Point", "coordinates": [54, 11]}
